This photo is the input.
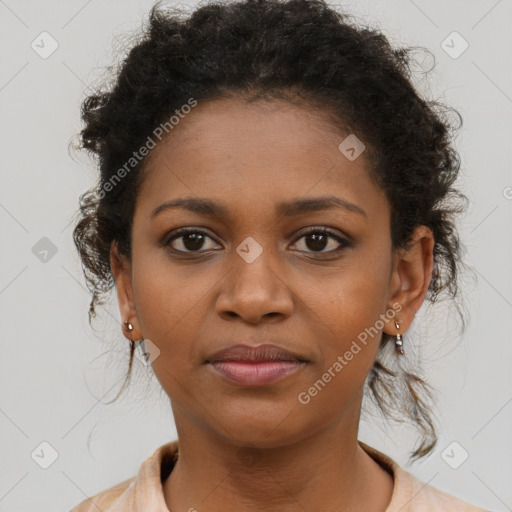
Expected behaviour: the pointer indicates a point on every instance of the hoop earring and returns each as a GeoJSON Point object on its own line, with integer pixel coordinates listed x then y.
{"type": "Point", "coordinates": [398, 340]}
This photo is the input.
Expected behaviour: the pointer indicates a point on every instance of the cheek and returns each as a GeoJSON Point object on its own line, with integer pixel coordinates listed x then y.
{"type": "Point", "coordinates": [166, 294]}
{"type": "Point", "coordinates": [347, 357]}
{"type": "Point", "coordinates": [353, 298]}
{"type": "Point", "coordinates": [166, 300]}
{"type": "Point", "coordinates": [173, 303]}
{"type": "Point", "coordinates": [348, 316]}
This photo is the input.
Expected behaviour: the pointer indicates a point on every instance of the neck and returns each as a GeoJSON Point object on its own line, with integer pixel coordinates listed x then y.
{"type": "Point", "coordinates": [327, 471]}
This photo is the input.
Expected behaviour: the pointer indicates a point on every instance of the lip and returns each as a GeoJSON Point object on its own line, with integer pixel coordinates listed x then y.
{"type": "Point", "coordinates": [255, 354]}
{"type": "Point", "coordinates": [255, 366]}
{"type": "Point", "coordinates": [256, 374]}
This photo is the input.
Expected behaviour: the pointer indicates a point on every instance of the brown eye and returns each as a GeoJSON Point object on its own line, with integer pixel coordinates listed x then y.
{"type": "Point", "coordinates": [318, 239]}
{"type": "Point", "coordinates": [188, 240]}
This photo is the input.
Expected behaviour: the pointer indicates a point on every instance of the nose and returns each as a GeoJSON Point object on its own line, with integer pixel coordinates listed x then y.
{"type": "Point", "coordinates": [255, 291]}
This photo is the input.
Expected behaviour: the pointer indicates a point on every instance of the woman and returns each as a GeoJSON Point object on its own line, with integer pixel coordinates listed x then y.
{"type": "Point", "coordinates": [275, 204]}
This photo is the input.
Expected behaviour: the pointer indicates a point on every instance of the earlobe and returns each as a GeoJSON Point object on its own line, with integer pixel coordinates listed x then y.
{"type": "Point", "coordinates": [121, 271]}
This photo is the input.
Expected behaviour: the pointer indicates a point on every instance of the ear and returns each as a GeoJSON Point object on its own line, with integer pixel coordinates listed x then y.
{"type": "Point", "coordinates": [410, 279]}
{"type": "Point", "coordinates": [121, 270]}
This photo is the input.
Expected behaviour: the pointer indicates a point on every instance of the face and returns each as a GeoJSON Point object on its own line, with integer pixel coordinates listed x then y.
{"type": "Point", "coordinates": [264, 265]}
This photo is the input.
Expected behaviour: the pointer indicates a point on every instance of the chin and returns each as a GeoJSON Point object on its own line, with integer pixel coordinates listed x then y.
{"type": "Point", "coordinates": [264, 431]}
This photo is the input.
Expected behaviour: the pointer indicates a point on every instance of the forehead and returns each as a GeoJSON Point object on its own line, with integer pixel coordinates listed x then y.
{"type": "Point", "coordinates": [233, 150]}
{"type": "Point", "coordinates": [268, 129]}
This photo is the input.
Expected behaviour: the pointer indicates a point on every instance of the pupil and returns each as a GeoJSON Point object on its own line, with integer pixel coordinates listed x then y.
{"type": "Point", "coordinates": [193, 241]}
{"type": "Point", "coordinates": [319, 241]}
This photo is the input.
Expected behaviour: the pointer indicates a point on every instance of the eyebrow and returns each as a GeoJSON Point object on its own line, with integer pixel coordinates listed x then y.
{"type": "Point", "coordinates": [285, 208]}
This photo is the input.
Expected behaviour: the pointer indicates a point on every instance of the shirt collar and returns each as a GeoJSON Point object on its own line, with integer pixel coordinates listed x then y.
{"type": "Point", "coordinates": [145, 491]}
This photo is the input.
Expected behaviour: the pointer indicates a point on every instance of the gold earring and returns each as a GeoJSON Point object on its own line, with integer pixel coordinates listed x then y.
{"type": "Point", "coordinates": [398, 340]}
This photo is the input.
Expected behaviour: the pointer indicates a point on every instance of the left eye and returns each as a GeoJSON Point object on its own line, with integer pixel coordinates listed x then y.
{"type": "Point", "coordinates": [317, 240]}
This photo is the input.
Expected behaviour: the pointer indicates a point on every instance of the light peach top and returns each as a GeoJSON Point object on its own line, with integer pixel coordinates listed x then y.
{"type": "Point", "coordinates": [144, 492]}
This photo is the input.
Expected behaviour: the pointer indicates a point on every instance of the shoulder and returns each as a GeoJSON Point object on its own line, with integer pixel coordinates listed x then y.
{"type": "Point", "coordinates": [412, 495]}
{"type": "Point", "coordinates": [142, 492]}
{"type": "Point", "coordinates": [439, 501]}
{"type": "Point", "coordinates": [105, 499]}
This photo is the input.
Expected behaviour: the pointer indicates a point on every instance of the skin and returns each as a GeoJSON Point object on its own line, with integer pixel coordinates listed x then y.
{"type": "Point", "coordinates": [252, 449]}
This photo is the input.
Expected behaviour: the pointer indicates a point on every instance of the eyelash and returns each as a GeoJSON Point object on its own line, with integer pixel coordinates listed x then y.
{"type": "Point", "coordinates": [179, 233]}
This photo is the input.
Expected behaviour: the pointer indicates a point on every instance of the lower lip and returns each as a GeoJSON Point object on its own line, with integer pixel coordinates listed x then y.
{"type": "Point", "coordinates": [256, 374]}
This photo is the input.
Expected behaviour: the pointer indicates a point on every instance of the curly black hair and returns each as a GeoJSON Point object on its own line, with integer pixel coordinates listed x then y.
{"type": "Point", "coordinates": [301, 51]}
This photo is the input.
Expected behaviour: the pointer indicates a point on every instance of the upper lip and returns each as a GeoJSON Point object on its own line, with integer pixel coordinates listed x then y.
{"type": "Point", "coordinates": [258, 353]}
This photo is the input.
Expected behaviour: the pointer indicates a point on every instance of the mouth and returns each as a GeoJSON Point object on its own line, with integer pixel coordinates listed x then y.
{"type": "Point", "coordinates": [255, 366]}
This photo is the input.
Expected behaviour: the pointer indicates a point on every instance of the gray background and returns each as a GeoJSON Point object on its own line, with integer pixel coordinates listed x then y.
{"type": "Point", "coordinates": [56, 374]}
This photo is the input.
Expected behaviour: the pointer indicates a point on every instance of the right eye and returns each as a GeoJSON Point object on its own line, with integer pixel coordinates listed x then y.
{"type": "Point", "coordinates": [188, 240]}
